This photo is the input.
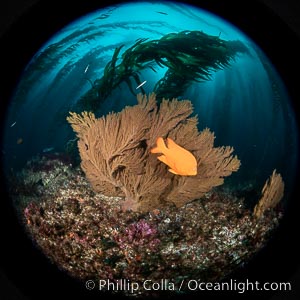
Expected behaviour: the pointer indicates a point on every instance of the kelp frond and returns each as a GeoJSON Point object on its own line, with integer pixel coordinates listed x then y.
{"type": "Point", "coordinates": [189, 56]}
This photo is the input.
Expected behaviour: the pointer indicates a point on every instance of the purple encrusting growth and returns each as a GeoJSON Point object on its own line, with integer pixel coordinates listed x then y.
{"type": "Point", "coordinates": [139, 234]}
{"type": "Point", "coordinates": [90, 237]}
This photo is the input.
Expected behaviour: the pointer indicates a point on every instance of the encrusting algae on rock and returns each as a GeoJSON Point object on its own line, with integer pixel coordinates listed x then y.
{"type": "Point", "coordinates": [88, 235]}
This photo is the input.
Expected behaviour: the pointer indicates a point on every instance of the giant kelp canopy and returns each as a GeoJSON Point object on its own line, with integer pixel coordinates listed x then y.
{"type": "Point", "coordinates": [188, 56]}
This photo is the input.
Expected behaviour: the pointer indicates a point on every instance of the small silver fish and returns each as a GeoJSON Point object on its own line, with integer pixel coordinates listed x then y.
{"type": "Point", "coordinates": [48, 149]}
{"type": "Point", "coordinates": [13, 124]}
{"type": "Point", "coordinates": [141, 85]}
{"type": "Point", "coordinates": [162, 13]}
{"type": "Point", "coordinates": [87, 67]}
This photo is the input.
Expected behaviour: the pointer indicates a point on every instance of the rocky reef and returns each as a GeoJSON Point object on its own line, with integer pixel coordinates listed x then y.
{"type": "Point", "coordinates": [89, 236]}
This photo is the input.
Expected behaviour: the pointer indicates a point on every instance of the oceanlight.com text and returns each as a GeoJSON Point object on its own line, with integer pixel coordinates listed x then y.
{"type": "Point", "coordinates": [238, 286]}
{"type": "Point", "coordinates": [186, 285]}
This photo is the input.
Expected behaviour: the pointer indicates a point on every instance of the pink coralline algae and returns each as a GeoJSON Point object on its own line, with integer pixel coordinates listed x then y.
{"type": "Point", "coordinates": [138, 235]}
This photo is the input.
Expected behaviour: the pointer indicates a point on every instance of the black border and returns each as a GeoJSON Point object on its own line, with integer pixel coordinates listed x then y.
{"type": "Point", "coordinates": [24, 271]}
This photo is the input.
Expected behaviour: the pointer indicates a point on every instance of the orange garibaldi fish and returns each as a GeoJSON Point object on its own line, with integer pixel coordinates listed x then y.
{"type": "Point", "coordinates": [180, 160]}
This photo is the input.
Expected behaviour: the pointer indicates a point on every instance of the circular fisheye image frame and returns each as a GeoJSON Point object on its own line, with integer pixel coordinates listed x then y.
{"type": "Point", "coordinates": [31, 259]}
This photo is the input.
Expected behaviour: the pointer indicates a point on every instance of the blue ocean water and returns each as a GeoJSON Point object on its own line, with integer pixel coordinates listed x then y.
{"type": "Point", "coordinates": [245, 104]}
